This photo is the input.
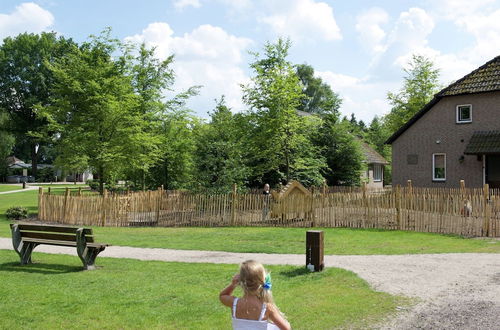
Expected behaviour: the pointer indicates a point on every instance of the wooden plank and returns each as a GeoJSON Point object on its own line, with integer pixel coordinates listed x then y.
{"type": "Point", "coordinates": [52, 236]}
{"type": "Point", "coordinates": [51, 228]}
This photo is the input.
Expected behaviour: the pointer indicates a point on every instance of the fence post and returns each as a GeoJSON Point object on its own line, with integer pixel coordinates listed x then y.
{"type": "Point", "coordinates": [48, 192]}
{"type": "Point", "coordinates": [233, 204]}
{"type": "Point", "coordinates": [65, 205]}
{"type": "Point", "coordinates": [486, 213]}
{"type": "Point", "coordinates": [398, 206]}
{"type": "Point", "coordinates": [40, 204]}
{"type": "Point", "coordinates": [79, 191]}
{"type": "Point", "coordinates": [103, 207]}
{"type": "Point", "coordinates": [160, 196]}
{"type": "Point", "coordinates": [365, 205]}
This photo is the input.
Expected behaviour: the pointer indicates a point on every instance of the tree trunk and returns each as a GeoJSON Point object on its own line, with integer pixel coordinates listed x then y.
{"type": "Point", "coordinates": [101, 179]}
{"type": "Point", "coordinates": [34, 160]}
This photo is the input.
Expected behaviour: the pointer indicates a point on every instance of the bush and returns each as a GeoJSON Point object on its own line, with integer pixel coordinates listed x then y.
{"type": "Point", "coordinates": [16, 213]}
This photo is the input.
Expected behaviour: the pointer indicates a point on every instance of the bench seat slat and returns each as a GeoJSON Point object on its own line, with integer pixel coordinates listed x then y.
{"type": "Point", "coordinates": [61, 243]}
{"type": "Point", "coordinates": [53, 236]}
{"type": "Point", "coordinates": [54, 229]}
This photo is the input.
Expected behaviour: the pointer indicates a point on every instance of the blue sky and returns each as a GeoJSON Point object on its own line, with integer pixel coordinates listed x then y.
{"type": "Point", "coordinates": [359, 47]}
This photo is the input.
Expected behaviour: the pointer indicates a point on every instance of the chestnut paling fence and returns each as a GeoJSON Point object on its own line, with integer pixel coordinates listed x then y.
{"type": "Point", "coordinates": [462, 211]}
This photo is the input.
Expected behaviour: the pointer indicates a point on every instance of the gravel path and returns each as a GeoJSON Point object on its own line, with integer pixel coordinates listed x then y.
{"type": "Point", "coordinates": [455, 291]}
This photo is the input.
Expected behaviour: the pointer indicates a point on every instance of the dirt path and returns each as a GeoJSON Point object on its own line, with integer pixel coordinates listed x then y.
{"type": "Point", "coordinates": [456, 291]}
{"type": "Point", "coordinates": [19, 190]}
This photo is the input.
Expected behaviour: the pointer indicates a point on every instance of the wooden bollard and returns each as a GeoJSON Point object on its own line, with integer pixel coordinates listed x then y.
{"type": "Point", "coordinates": [315, 250]}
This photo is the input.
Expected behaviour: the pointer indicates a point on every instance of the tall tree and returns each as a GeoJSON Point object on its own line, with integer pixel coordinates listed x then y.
{"type": "Point", "coordinates": [220, 149]}
{"type": "Point", "coordinates": [6, 143]}
{"type": "Point", "coordinates": [320, 99]}
{"type": "Point", "coordinates": [25, 84]}
{"type": "Point", "coordinates": [274, 95]}
{"type": "Point", "coordinates": [95, 110]}
{"type": "Point", "coordinates": [151, 77]}
{"type": "Point", "coordinates": [341, 150]}
{"type": "Point", "coordinates": [420, 84]}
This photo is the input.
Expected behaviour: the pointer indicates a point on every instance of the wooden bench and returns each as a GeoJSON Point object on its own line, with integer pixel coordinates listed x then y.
{"type": "Point", "coordinates": [25, 237]}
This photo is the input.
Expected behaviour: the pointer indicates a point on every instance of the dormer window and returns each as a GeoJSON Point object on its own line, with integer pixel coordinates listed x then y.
{"type": "Point", "coordinates": [464, 113]}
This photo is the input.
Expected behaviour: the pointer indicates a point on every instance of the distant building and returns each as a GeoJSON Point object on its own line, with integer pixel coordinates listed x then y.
{"type": "Point", "coordinates": [374, 174]}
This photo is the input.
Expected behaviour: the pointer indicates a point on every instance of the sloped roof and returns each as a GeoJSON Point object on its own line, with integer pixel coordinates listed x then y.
{"type": "Point", "coordinates": [13, 160]}
{"type": "Point", "coordinates": [486, 78]}
{"type": "Point", "coordinates": [371, 155]}
{"type": "Point", "coordinates": [484, 142]}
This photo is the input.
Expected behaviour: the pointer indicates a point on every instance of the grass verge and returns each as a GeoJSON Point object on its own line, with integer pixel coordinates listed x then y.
{"type": "Point", "coordinates": [125, 293]}
{"type": "Point", "coordinates": [9, 187]}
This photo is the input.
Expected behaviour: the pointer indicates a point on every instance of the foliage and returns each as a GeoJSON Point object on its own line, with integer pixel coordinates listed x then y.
{"type": "Point", "coordinates": [219, 153]}
{"type": "Point", "coordinates": [420, 84]}
{"type": "Point", "coordinates": [25, 84]}
{"type": "Point", "coordinates": [175, 170]}
{"type": "Point", "coordinates": [277, 145]}
{"type": "Point", "coordinates": [342, 152]}
{"type": "Point", "coordinates": [45, 174]}
{"type": "Point", "coordinates": [16, 213]}
{"type": "Point", "coordinates": [320, 99]}
{"type": "Point", "coordinates": [97, 113]}
{"type": "Point", "coordinates": [6, 144]}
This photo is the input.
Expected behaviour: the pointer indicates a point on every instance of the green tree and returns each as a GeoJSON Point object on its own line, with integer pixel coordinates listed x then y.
{"type": "Point", "coordinates": [420, 84]}
{"type": "Point", "coordinates": [219, 156]}
{"type": "Point", "coordinates": [274, 96]}
{"type": "Point", "coordinates": [151, 77]}
{"type": "Point", "coordinates": [176, 167]}
{"type": "Point", "coordinates": [6, 143]}
{"type": "Point", "coordinates": [96, 112]}
{"type": "Point", "coordinates": [320, 99]}
{"type": "Point", "coordinates": [25, 84]}
{"type": "Point", "coordinates": [341, 150]}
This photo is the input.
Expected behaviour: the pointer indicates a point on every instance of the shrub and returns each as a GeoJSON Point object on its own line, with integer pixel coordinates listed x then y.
{"type": "Point", "coordinates": [16, 213]}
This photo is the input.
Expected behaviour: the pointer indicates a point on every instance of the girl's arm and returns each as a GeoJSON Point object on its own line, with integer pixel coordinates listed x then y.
{"type": "Point", "coordinates": [225, 295]}
{"type": "Point", "coordinates": [277, 318]}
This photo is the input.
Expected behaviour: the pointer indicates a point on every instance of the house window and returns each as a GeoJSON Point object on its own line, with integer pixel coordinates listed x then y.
{"type": "Point", "coordinates": [377, 173]}
{"type": "Point", "coordinates": [464, 113]}
{"type": "Point", "coordinates": [438, 167]}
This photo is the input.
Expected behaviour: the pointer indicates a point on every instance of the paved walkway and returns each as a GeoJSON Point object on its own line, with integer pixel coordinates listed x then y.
{"type": "Point", "coordinates": [456, 291]}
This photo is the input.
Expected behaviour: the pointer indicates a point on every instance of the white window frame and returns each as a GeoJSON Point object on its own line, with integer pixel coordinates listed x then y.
{"type": "Point", "coordinates": [458, 114]}
{"type": "Point", "coordinates": [381, 172]}
{"type": "Point", "coordinates": [434, 167]}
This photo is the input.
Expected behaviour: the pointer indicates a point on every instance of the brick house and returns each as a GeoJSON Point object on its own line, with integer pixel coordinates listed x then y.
{"type": "Point", "coordinates": [456, 136]}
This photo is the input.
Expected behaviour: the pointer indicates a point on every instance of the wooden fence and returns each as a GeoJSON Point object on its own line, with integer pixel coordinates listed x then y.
{"type": "Point", "coordinates": [467, 212]}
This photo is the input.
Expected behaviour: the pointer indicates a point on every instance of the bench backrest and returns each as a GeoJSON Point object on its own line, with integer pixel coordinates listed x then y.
{"type": "Point", "coordinates": [55, 233]}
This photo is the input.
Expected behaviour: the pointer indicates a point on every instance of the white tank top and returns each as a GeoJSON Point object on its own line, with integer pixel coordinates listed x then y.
{"type": "Point", "coordinates": [243, 324]}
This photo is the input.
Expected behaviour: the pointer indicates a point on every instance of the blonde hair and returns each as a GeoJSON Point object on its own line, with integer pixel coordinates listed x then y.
{"type": "Point", "coordinates": [252, 277]}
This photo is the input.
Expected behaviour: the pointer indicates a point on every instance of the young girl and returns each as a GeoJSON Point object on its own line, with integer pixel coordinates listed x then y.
{"type": "Point", "coordinates": [256, 308]}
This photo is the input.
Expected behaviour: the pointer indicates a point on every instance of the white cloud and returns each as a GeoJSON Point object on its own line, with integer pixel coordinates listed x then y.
{"type": "Point", "coordinates": [207, 56]}
{"type": "Point", "coordinates": [302, 19]}
{"type": "Point", "coordinates": [412, 29]}
{"type": "Point", "coordinates": [181, 4]}
{"type": "Point", "coordinates": [361, 96]}
{"type": "Point", "coordinates": [27, 17]}
{"type": "Point", "coordinates": [371, 33]}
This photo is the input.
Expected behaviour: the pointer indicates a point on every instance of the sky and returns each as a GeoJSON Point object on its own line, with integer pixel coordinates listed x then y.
{"type": "Point", "coordinates": [359, 47]}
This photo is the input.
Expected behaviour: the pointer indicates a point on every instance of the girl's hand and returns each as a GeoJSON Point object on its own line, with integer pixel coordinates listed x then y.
{"type": "Point", "coordinates": [236, 279]}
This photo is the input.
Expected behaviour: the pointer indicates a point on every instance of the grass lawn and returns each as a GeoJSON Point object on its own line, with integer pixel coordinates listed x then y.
{"type": "Point", "coordinates": [125, 293]}
{"type": "Point", "coordinates": [9, 187]}
{"type": "Point", "coordinates": [269, 240]}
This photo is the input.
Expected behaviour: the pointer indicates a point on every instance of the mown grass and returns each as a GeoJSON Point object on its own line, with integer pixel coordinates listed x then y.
{"type": "Point", "coordinates": [132, 294]}
{"type": "Point", "coordinates": [269, 239]}
{"type": "Point", "coordinates": [9, 187]}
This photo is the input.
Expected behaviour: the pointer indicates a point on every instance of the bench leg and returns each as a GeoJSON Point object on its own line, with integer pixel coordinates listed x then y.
{"type": "Point", "coordinates": [23, 249]}
{"type": "Point", "coordinates": [86, 254]}
{"type": "Point", "coordinates": [89, 259]}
